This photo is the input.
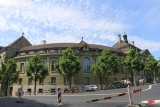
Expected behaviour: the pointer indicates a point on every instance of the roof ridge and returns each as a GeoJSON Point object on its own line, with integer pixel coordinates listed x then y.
{"type": "Point", "coordinates": [21, 40]}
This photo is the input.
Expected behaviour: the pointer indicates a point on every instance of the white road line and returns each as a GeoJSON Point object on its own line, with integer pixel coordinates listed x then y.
{"type": "Point", "coordinates": [150, 87]}
{"type": "Point", "coordinates": [91, 94]}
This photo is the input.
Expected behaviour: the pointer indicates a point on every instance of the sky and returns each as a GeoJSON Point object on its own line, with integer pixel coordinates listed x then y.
{"type": "Point", "coordinates": [97, 21]}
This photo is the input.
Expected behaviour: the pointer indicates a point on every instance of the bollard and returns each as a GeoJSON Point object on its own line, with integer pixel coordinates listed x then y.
{"type": "Point", "coordinates": [151, 102]}
{"type": "Point", "coordinates": [59, 102]}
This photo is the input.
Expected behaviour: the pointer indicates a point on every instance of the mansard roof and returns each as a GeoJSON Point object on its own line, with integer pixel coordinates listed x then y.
{"type": "Point", "coordinates": [65, 45]}
{"type": "Point", "coordinates": [125, 46]}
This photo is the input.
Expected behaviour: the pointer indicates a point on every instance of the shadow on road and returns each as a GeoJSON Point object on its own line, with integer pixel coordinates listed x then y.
{"type": "Point", "coordinates": [11, 102]}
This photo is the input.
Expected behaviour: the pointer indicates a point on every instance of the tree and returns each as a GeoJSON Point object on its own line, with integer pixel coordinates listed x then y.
{"type": "Point", "coordinates": [134, 62]}
{"type": "Point", "coordinates": [151, 66]}
{"type": "Point", "coordinates": [36, 69]}
{"type": "Point", "coordinates": [68, 65]}
{"type": "Point", "coordinates": [8, 74]}
{"type": "Point", "coordinates": [106, 64]}
{"type": "Point", "coordinates": [158, 69]}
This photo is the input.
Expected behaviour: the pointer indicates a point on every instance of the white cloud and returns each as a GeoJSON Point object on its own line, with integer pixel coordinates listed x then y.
{"type": "Point", "coordinates": [57, 22]}
{"type": "Point", "coordinates": [35, 16]}
{"type": "Point", "coordinates": [3, 24]}
{"type": "Point", "coordinates": [153, 46]}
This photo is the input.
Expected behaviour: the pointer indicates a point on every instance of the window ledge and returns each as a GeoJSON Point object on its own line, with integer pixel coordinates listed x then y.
{"type": "Point", "coordinates": [66, 83]}
{"type": "Point", "coordinates": [53, 84]}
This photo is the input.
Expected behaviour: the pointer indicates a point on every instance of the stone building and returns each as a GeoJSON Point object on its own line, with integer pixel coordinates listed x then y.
{"type": "Point", "coordinates": [22, 50]}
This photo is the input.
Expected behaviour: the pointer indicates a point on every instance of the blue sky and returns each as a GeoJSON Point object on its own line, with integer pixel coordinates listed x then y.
{"type": "Point", "coordinates": [97, 21]}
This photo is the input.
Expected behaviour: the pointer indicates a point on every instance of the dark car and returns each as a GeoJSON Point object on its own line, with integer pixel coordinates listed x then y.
{"type": "Point", "coordinates": [119, 84]}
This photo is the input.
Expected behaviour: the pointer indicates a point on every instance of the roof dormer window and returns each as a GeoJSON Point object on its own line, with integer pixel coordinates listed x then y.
{"type": "Point", "coordinates": [85, 47]}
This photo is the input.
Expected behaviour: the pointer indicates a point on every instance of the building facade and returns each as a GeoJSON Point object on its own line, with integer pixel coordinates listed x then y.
{"type": "Point", "coordinates": [22, 50]}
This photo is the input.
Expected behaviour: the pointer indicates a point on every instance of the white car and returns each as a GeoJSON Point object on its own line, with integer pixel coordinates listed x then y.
{"type": "Point", "coordinates": [90, 88]}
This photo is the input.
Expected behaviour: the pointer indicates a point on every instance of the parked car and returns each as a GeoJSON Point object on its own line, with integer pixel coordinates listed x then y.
{"type": "Point", "coordinates": [119, 84]}
{"type": "Point", "coordinates": [90, 88]}
{"type": "Point", "coordinates": [126, 82]}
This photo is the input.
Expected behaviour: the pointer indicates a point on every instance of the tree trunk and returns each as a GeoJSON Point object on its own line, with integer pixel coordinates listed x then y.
{"type": "Point", "coordinates": [35, 87]}
{"type": "Point", "coordinates": [70, 83]}
{"type": "Point", "coordinates": [107, 81]}
{"type": "Point", "coordinates": [35, 84]}
{"type": "Point", "coordinates": [145, 79]}
{"type": "Point", "coordinates": [154, 77]}
{"type": "Point", "coordinates": [132, 81]}
{"type": "Point", "coordinates": [100, 77]}
{"type": "Point", "coordinates": [134, 78]}
{"type": "Point", "coordinates": [6, 89]}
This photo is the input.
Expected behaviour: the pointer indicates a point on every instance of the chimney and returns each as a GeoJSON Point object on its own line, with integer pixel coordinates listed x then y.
{"type": "Point", "coordinates": [125, 37]}
{"type": "Point", "coordinates": [133, 43]}
{"type": "Point", "coordinates": [119, 36]}
{"type": "Point", "coordinates": [43, 42]}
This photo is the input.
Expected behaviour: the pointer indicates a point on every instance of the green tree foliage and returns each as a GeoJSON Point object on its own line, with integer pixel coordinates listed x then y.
{"type": "Point", "coordinates": [8, 73]}
{"type": "Point", "coordinates": [151, 66]}
{"type": "Point", "coordinates": [158, 69]}
{"type": "Point", "coordinates": [134, 63]}
{"type": "Point", "coordinates": [106, 65]}
{"type": "Point", "coordinates": [36, 69]}
{"type": "Point", "coordinates": [68, 65]}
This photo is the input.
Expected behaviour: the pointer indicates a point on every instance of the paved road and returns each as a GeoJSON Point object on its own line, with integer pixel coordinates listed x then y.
{"type": "Point", "coordinates": [79, 99]}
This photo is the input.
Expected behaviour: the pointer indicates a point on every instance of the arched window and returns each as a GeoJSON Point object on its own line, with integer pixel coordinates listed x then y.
{"type": "Point", "coordinates": [86, 64]}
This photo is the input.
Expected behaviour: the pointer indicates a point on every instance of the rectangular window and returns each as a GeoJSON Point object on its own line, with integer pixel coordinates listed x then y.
{"type": "Point", "coordinates": [53, 80]}
{"type": "Point", "coordinates": [86, 80]}
{"type": "Point", "coordinates": [29, 81]}
{"type": "Point", "coordinates": [22, 67]}
{"type": "Point", "coordinates": [53, 66]}
{"type": "Point", "coordinates": [20, 81]}
{"type": "Point", "coordinates": [66, 80]}
{"type": "Point", "coordinates": [40, 81]}
{"type": "Point", "coordinates": [53, 90]}
{"type": "Point", "coordinates": [40, 90]}
{"type": "Point", "coordinates": [29, 90]}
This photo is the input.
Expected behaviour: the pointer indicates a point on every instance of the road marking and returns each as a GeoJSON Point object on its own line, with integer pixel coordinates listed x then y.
{"type": "Point", "coordinates": [150, 87]}
{"type": "Point", "coordinates": [91, 94]}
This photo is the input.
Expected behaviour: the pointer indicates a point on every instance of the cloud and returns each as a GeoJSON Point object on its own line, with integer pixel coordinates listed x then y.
{"type": "Point", "coordinates": [153, 46]}
{"type": "Point", "coordinates": [43, 17]}
{"type": "Point", "coordinates": [57, 21]}
{"type": "Point", "coordinates": [69, 21]}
